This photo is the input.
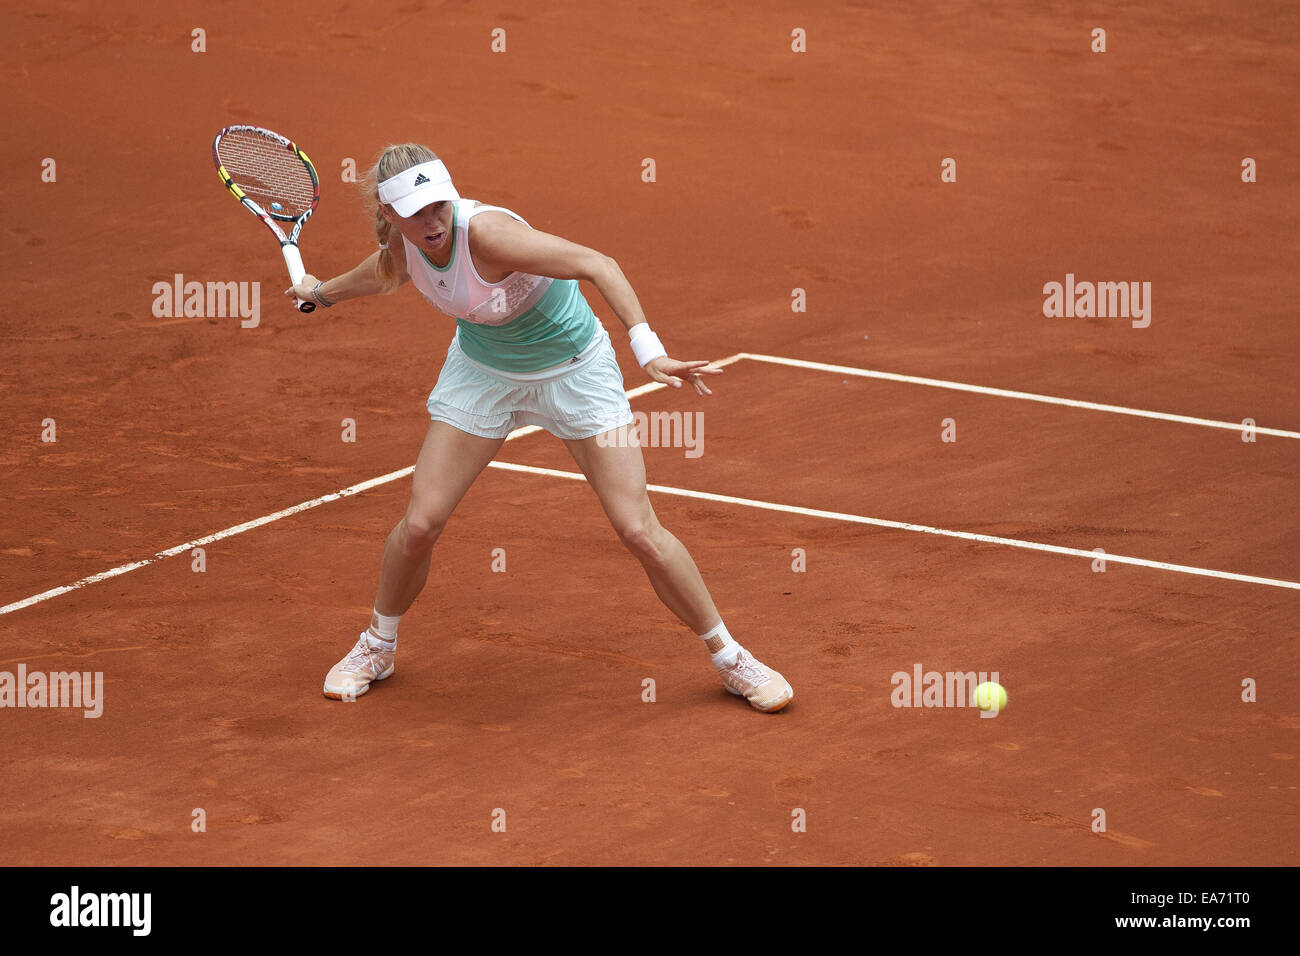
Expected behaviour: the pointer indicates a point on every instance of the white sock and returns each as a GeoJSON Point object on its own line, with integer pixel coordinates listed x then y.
{"type": "Point", "coordinates": [722, 648]}
{"type": "Point", "coordinates": [383, 630]}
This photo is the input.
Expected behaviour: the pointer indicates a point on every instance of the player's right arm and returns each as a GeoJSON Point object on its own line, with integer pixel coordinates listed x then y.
{"type": "Point", "coordinates": [362, 280]}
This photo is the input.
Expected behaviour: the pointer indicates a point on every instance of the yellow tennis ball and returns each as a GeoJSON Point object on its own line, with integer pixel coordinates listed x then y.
{"type": "Point", "coordinates": [990, 696]}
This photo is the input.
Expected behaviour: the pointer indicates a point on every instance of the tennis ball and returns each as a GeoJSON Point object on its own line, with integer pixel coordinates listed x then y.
{"type": "Point", "coordinates": [990, 696]}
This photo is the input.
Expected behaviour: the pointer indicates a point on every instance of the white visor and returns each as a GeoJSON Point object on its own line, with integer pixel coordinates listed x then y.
{"type": "Point", "coordinates": [412, 189]}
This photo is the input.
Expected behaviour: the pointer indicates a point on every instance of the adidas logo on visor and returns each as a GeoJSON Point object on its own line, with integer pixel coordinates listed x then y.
{"type": "Point", "coordinates": [420, 180]}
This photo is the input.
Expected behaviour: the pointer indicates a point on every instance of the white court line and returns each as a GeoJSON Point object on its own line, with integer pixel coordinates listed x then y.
{"type": "Point", "coordinates": [267, 519]}
{"type": "Point", "coordinates": [199, 542]}
{"type": "Point", "coordinates": [923, 529]}
{"type": "Point", "coordinates": [791, 509]}
{"type": "Point", "coordinates": [1005, 393]}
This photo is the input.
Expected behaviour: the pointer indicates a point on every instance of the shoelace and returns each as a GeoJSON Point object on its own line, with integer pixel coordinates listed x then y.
{"type": "Point", "coordinates": [746, 668]}
{"type": "Point", "coordinates": [362, 656]}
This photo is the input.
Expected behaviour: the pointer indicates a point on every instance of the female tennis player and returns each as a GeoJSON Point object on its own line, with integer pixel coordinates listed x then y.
{"type": "Point", "coordinates": [528, 350]}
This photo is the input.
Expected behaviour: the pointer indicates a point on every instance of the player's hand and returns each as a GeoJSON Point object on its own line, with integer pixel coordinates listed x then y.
{"type": "Point", "coordinates": [671, 372]}
{"type": "Point", "coordinates": [303, 289]}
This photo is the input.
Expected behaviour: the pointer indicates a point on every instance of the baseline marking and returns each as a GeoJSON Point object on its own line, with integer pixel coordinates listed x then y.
{"type": "Point", "coordinates": [1006, 393]}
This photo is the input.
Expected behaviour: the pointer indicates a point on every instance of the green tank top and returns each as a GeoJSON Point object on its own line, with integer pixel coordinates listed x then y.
{"type": "Point", "coordinates": [558, 327]}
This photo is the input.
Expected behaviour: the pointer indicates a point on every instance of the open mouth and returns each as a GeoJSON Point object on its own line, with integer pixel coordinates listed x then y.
{"type": "Point", "coordinates": [434, 238]}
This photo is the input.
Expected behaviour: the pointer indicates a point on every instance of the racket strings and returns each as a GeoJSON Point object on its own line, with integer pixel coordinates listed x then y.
{"type": "Point", "coordinates": [267, 171]}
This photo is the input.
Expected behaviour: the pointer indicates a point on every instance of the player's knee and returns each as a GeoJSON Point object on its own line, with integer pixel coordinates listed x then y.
{"type": "Point", "coordinates": [646, 539]}
{"type": "Point", "coordinates": [420, 530]}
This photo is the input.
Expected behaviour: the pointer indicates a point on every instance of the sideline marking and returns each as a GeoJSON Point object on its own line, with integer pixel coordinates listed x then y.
{"type": "Point", "coordinates": [1006, 393]}
{"type": "Point", "coordinates": [924, 529]}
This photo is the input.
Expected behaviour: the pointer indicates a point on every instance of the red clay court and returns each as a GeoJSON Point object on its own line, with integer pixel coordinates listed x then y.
{"type": "Point", "coordinates": [775, 171]}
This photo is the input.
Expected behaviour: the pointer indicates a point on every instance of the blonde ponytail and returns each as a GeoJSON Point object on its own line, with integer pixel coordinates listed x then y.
{"type": "Point", "coordinates": [391, 161]}
{"type": "Point", "coordinates": [385, 268]}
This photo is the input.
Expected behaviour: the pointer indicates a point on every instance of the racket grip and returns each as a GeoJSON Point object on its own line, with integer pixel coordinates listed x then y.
{"type": "Point", "coordinates": [293, 259]}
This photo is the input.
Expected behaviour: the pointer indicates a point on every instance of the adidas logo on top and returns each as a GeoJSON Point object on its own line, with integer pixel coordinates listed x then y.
{"type": "Point", "coordinates": [420, 180]}
{"type": "Point", "coordinates": [441, 284]}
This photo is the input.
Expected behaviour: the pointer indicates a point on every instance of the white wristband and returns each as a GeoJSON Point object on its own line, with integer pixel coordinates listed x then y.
{"type": "Point", "coordinates": [645, 344]}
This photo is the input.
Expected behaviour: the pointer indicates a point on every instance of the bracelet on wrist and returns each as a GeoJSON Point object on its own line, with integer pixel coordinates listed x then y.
{"type": "Point", "coordinates": [316, 294]}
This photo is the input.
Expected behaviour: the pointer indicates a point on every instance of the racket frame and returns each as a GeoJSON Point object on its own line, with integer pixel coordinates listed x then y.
{"type": "Point", "coordinates": [288, 243]}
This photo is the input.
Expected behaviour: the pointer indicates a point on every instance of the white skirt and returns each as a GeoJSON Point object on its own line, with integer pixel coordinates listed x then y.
{"type": "Point", "coordinates": [578, 399]}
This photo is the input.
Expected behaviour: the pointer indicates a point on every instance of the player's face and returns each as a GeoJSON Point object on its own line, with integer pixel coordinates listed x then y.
{"type": "Point", "coordinates": [429, 229]}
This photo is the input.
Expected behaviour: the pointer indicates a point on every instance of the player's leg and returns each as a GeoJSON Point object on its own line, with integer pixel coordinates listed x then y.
{"type": "Point", "coordinates": [615, 468]}
{"type": "Point", "coordinates": [449, 461]}
{"type": "Point", "coordinates": [617, 475]}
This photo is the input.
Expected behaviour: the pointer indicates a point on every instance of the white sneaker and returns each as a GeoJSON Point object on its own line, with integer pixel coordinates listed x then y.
{"type": "Point", "coordinates": [352, 676]}
{"type": "Point", "coordinates": [764, 688]}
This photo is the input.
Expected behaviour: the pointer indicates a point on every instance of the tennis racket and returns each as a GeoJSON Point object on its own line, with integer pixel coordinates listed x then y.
{"type": "Point", "coordinates": [275, 181]}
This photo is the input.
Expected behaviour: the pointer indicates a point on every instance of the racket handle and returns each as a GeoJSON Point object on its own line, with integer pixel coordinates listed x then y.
{"type": "Point", "coordinates": [293, 259]}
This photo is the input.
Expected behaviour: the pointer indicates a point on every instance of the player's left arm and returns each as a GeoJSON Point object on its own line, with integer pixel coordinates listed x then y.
{"type": "Point", "coordinates": [503, 244]}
